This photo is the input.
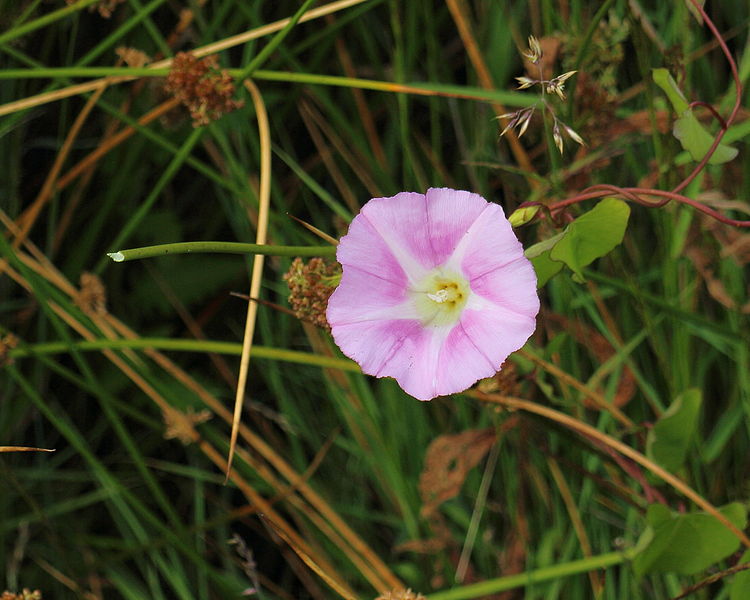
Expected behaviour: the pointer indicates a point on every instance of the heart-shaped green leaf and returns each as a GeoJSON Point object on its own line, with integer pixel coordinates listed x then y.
{"type": "Point", "coordinates": [692, 135]}
{"type": "Point", "coordinates": [669, 439]}
{"type": "Point", "coordinates": [687, 543]}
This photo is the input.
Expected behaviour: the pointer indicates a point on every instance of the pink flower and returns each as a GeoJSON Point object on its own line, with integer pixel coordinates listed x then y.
{"type": "Point", "coordinates": [435, 292]}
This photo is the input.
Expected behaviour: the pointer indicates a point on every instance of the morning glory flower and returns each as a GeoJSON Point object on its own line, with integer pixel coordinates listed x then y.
{"type": "Point", "coordinates": [435, 291]}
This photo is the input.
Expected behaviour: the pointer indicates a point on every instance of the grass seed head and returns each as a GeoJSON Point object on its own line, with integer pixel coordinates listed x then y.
{"type": "Point", "coordinates": [204, 89]}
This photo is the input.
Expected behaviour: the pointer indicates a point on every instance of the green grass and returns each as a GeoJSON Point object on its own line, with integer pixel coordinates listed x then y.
{"type": "Point", "coordinates": [379, 97]}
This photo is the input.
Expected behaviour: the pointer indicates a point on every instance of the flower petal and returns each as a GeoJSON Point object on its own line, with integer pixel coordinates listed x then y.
{"type": "Point", "coordinates": [400, 223]}
{"type": "Point", "coordinates": [415, 363]}
{"type": "Point", "coordinates": [422, 231]}
{"type": "Point", "coordinates": [363, 296]}
{"type": "Point", "coordinates": [488, 244]}
{"type": "Point", "coordinates": [396, 244]}
{"type": "Point", "coordinates": [495, 333]}
{"type": "Point", "coordinates": [511, 286]}
{"type": "Point", "coordinates": [364, 248]}
{"type": "Point", "coordinates": [389, 348]}
{"type": "Point", "coordinates": [450, 214]}
{"type": "Point", "coordinates": [462, 363]}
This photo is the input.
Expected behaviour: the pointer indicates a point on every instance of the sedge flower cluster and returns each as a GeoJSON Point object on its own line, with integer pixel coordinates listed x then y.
{"type": "Point", "coordinates": [202, 87]}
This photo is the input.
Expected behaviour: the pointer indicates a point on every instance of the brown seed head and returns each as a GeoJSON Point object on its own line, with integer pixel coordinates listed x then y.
{"type": "Point", "coordinates": [204, 89]}
{"type": "Point", "coordinates": [310, 286]}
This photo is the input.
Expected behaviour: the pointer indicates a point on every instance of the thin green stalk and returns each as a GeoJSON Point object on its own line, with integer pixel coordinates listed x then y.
{"type": "Point", "coordinates": [184, 345]}
{"type": "Point", "coordinates": [316, 188]}
{"type": "Point", "coordinates": [514, 99]}
{"type": "Point", "coordinates": [47, 19]}
{"type": "Point", "coordinates": [476, 515]}
{"type": "Point", "coordinates": [261, 57]}
{"type": "Point", "coordinates": [219, 248]}
{"type": "Point", "coordinates": [550, 573]}
{"type": "Point", "coordinates": [27, 12]}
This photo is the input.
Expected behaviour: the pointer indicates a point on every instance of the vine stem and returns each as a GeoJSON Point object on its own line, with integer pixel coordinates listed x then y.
{"type": "Point", "coordinates": [184, 345]}
{"type": "Point", "coordinates": [634, 194]}
{"type": "Point", "coordinates": [219, 248]}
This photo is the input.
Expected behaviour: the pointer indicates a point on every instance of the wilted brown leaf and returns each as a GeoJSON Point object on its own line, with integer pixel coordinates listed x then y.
{"type": "Point", "coordinates": [447, 463]}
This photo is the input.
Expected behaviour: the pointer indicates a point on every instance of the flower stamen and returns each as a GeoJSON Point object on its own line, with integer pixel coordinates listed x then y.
{"type": "Point", "coordinates": [441, 297]}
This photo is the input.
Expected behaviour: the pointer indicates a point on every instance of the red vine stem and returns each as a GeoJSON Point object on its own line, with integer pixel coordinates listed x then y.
{"type": "Point", "coordinates": [737, 100]}
{"type": "Point", "coordinates": [713, 111]}
{"type": "Point", "coordinates": [662, 197]}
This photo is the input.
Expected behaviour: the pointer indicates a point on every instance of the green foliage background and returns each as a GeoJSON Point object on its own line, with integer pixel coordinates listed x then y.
{"type": "Point", "coordinates": [118, 511]}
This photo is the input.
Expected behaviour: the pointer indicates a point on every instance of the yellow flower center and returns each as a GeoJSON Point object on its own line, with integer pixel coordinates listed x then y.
{"type": "Point", "coordinates": [440, 297]}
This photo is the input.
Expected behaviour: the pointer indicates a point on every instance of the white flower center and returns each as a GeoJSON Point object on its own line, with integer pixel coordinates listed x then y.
{"type": "Point", "coordinates": [440, 297]}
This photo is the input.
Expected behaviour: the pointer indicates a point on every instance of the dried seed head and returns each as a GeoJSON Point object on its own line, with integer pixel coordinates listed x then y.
{"type": "Point", "coordinates": [504, 382]}
{"type": "Point", "coordinates": [310, 286]}
{"type": "Point", "coordinates": [573, 135]}
{"type": "Point", "coordinates": [512, 121]}
{"type": "Point", "coordinates": [204, 89]}
{"type": "Point", "coordinates": [105, 8]}
{"type": "Point", "coordinates": [181, 425]}
{"type": "Point", "coordinates": [524, 121]}
{"type": "Point", "coordinates": [557, 84]}
{"type": "Point", "coordinates": [565, 76]}
{"type": "Point", "coordinates": [132, 56]}
{"type": "Point", "coordinates": [525, 82]}
{"type": "Point", "coordinates": [557, 134]}
{"type": "Point", "coordinates": [557, 137]}
{"type": "Point", "coordinates": [534, 51]}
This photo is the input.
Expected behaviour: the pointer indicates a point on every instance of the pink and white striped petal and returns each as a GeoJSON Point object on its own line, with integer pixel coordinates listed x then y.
{"type": "Point", "coordinates": [424, 229]}
{"type": "Point", "coordinates": [435, 291]}
{"type": "Point", "coordinates": [363, 247]}
{"type": "Point", "coordinates": [389, 348]}
{"type": "Point", "coordinates": [495, 333]}
{"type": "Point", "coordinates": [488, 244]}
{"type": "Point", "coordinates": [511, 286]}
{"type": "Point", "coordinates": [368, 297]}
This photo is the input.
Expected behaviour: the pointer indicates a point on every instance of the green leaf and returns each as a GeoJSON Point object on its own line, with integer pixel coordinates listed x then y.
{"type": "Point", "coordinates": [696, 140]}
{"type": "Point", "coordinates": [666, 82]}
{"type": "Point", "coordinates": [545, 268]}
{"type": "Point", "coordinates": [687, 543]}
{"type": "Point", "coordinates": [692, 135]}
{"type": "Point", "coordinates": [592, 235]}
{"type": "Point", "coordinates": [544, 246]}
{"type": "Point", "coordinates": [739, 589]}
{"type": "Point", "coordinates": [668, 441]}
